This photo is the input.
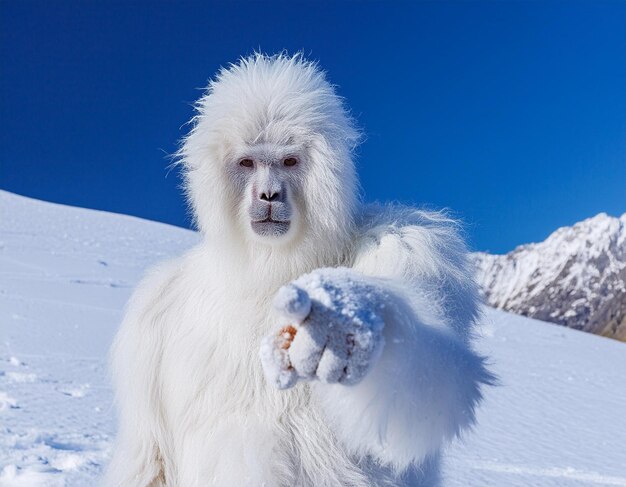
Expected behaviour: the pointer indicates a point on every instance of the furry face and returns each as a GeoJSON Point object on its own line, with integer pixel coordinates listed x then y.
{"type": "Point", "coordinates": [268, 161]}
{"type": "Point", "coordinates": [267, 179]}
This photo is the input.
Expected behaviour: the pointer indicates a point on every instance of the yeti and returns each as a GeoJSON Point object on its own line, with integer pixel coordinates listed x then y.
{"type": "Point", "coordinates": [309, 339]}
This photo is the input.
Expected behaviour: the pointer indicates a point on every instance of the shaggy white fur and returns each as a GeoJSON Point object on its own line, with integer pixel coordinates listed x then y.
{"type": "Point", "coordinates": [195, 408]}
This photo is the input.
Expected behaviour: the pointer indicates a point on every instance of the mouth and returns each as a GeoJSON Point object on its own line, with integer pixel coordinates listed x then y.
{"type": "Point", "coordinates": [270, 227]}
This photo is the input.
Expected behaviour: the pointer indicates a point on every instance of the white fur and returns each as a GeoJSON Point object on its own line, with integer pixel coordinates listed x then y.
{"type": "Point", "coordinates": [194, 406]}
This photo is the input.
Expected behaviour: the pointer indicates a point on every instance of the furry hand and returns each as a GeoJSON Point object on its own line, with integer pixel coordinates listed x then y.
{"type": "Point", "coordinates": [332, 329]}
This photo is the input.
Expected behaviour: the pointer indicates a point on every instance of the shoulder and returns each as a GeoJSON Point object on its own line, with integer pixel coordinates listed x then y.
{"type": "Point", "coordinates": [162, 286]}
{"type": "Point", "coordinates": [379, 216]}
{"type": "Point", "coordinates": [147, 312]}
{"type": "Point", "coordinates": [429, 234]}
{"type": "Point", "coordinates": [424, 248]}
{"type": "Point", "coordinates": [158, 281]}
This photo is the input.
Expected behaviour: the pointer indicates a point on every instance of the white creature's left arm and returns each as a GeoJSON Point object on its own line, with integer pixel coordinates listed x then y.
{"type": "Point", "coordinates": [388, 338]}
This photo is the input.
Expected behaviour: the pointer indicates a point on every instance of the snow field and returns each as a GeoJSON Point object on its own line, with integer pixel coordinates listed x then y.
{"type": "Point", "coordinates": [557, 419]}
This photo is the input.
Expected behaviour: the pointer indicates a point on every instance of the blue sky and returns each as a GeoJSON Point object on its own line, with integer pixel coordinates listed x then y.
{"type": "Point", "coordinates": [512, 114]}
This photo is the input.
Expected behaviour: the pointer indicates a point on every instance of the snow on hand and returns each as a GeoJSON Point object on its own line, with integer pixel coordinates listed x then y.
{"type": "Point", "coordinates": [338, 329]}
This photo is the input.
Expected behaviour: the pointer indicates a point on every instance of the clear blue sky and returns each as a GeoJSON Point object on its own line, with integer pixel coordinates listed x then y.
{"type": "Point", "coordinates": [510, 113]}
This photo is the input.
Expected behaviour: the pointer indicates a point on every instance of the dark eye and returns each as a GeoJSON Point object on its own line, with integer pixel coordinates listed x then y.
{"type": "Point", "coordinates": [290, 161]}
{"type": "Point", "coordinates": [246, 163]}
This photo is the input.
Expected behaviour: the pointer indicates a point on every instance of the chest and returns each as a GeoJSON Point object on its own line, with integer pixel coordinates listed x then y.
{"type": "Point", "coordinates": [210, 357]}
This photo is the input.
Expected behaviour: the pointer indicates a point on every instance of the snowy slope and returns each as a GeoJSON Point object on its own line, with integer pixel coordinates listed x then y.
{"type": "Point", "coordinates": [65, 273]}
{"type": "Point", "coordinates": [576, 277]}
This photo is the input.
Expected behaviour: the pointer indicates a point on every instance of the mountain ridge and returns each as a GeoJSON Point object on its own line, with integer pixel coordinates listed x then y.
{"type": "Point", "coordinates": [576, 277]}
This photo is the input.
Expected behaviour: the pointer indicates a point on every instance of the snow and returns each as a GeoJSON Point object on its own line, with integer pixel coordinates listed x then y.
{"type": "Point", "coordinates": [557, 419]}
{"type": "Point", "coordinates": [65, 274]}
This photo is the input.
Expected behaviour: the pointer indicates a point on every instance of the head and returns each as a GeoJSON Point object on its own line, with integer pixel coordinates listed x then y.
{"type": "Point", "coordinates": [269, 158]}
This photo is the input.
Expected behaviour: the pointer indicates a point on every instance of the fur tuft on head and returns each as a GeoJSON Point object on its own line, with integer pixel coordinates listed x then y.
{"type": "Point", "coordinates": [273, 101]}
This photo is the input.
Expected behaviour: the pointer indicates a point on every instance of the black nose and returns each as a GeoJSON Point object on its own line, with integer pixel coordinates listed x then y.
{"type": "Point", "coordinates": [270, 195]}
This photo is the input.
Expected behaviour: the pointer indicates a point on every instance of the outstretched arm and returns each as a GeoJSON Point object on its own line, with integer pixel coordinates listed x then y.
{"type": "Point", "coordinates": [417, 380]}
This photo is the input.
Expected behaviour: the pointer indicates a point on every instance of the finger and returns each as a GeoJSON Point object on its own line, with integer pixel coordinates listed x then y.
{"type": "Point", "coordinates": [293, 302]}
{"type": "Point", "coordinates": [332, 364]}
{"type": "Point", "coordinates": [275, 361]}
{"type": "Point", "coordinates": [336, 357]}
{"type": "Point", "coordinates": [286, 378]}
{"type": "Point", "coordinates": [307, 347]}
{"type": "Point", "coordinates": [363, 353]}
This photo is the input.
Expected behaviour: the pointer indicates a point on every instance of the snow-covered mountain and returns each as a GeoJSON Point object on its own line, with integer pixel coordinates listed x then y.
{"type": "Point", "coordinates": [556, 420]}
{"type": "Point", "coordinates": [575, 278]}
